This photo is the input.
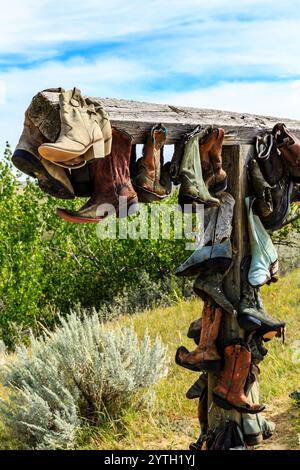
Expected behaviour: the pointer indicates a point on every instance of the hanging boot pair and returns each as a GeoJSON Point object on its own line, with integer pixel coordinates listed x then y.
{"type": "Point", "coordinates": [205, 356]}
{"type": "Point", "coordinates": [193, 190]}
{"type": "Point", "coordinates": [264, 258]}
{"type": "Point", "coordinates": [152, 181]}
{"type": "Point", "coordinates": [271, 183]}
{"type": "Point", "coordinates": [230, 390]}
{"type": "Point", "coordinates": [113, 191]}
{"type": "Point", "coordinates": [85, 132]}
{"type": "Point", "coordinates": [251, 313]}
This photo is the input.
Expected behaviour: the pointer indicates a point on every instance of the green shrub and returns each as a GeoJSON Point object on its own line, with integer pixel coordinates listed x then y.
{"type": "Point", "coordinates": [48, 265]}
{"type": "Point", "coordinates": [82, 372]}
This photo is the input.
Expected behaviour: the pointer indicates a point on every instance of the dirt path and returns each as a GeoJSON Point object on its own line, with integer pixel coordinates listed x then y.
{"type": "Point", "coordinates": [286, 416]}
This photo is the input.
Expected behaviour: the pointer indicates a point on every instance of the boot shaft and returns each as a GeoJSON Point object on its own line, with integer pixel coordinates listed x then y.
{"type": "Point", "coordinates": [150, 165]}
{"type": "Point", "coordinates": [31, 138]}
{"type": "Point", "coordinates": [120, 160]}
{"type": "Point", "coordinates": [289, 146]}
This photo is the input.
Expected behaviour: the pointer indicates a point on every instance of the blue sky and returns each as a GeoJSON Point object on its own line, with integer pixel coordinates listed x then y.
{"type": "Point", "coordinates": [234, 55]}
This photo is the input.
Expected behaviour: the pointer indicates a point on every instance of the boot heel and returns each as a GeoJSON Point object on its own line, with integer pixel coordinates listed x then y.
{"type": "Point", "coordinates": [221, 402]}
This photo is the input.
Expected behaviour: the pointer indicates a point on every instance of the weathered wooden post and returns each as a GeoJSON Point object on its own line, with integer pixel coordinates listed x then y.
{"type": "Point", "coordinates": [137, 118]}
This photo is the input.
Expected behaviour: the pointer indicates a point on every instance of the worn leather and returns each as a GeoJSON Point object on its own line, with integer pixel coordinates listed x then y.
{"type": "Point", "coordinates": [289, 146]}
{"type": "Point", "coordinates": [275, 172]}
{"type": "Point", "coordinates": [210, 285]}
{"type": "Point", "coordinates": [206, 351]}
{"type": "Point", "coordinates": [111, 179]}
{"type": "Point", "coordinates": [216, 254]}
{"type": "Point", "coordinates": [262, 190]}
{"type": "Point", "coordinates": [30, 141]}
{"type": "Point", "coordinates": [192, 188]}
{"type": "Point", "coordinates": [233, 378]}
{"type": "Point", "coordinates": [80, 131]}
{"type": "Point", "coordinates": [211, 160]}
{"type": "Point", "coordinates": [149, 167]}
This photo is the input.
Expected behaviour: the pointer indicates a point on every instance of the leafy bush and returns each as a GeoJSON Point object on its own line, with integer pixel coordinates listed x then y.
{"type": "Point", "coordinates": [48, 265]}
{"type": "Point", "coordinates": [83, 371]}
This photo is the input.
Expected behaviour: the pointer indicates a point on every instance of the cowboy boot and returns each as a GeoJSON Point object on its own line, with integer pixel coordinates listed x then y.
{"type": "Point", "coordinates": [52, 179]}
{"type": "Point", "coordinates": [111, 181]}
{"type": "Point", "coordinates": [192, 189]}
{"type": "Point", "coordinates": [253, 316]}
{"type": "Point", "coordinates": [80, 131]}
{"type": "Point", "coordinates": [176, 161]}
{"type": "Point", "coordinates": [256, 427]}
{"type": "Point", "coordinates": [275, 173]}
{"type": "Point", "coordinates": [220, 177]}
{"type": "Point", "coordinates": [251, 313]}
{"type": "Point", "coordinates": [289, 146]}
{"type": "Point", "coordinates": [263, 203]}
{"type": "Point", "coordinates": [148, 179]}
{"type": "Point", "coordinates": [264, 261]}
{"type": "Point", "coordinates": [229, 392]}
{"type": "Point", "coordinates": [205, 356]}
{"type": "Point", "coordinates": [210, 285]}
{"type": "Point", "coordinates": [198, 389]}
{"type": "Point", "coordinates": [202, 418]}
{"type": "Point", "coordinates": [194, 330]}
{"type": "Point", "coordinates": [216, 254]}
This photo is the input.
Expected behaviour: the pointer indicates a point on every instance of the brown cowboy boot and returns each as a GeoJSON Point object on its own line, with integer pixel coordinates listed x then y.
{"type": "Point", "coordinates": [229, 393]}
{"type": "Point", "coordinates": [214, 176]}
{"type": "Point", "coordinates": [216, 159]}
{"type": "Point", "coordinates": [148, 179]}
{"type": "Point", "coordinates": [205, 356]}
{"type": "Point", "coordinates": [111, 181]}
{"type": "Point", "coordinates": [52, 179]}
{"type": "Point", "coordinates": [289, 146]}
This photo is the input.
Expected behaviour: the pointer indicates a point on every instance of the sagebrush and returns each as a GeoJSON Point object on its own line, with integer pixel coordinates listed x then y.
{"type": "Point", "coordinates": [83, 371]}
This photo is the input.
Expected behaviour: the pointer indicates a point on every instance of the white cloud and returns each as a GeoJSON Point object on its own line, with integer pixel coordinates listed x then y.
{"type": "Point", "coordinates": [279, 99]}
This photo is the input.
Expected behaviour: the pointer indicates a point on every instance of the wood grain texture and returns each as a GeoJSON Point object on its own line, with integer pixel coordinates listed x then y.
{"type": "Point", "coordinates": [138, 117]}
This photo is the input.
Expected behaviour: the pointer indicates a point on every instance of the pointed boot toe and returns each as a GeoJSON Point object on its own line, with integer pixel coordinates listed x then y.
{"type": "Point", "coordinates": [181, 358]}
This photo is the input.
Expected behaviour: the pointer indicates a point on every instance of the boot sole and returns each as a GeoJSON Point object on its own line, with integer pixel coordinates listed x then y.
{"type": "Point", "coordinates": [55, 154]}
{"type": "Point", "coordinates": [250, 323]}
{"type": "Point", "coordinates": [145, 195]}
{"type": "Point", "coordinates": [70, 216]}
{"type": "Point", "coordinates": [222, 403]}
{"type": "Point", "coordinates": [194, 202]}
{"type": "Point", "coordinates": [214, 265]}
{"type": "Point", "coordinates": [31, 166]}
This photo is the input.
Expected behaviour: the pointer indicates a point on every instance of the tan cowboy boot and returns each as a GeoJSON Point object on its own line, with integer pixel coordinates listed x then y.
{"type": "Point", "coordinates": [80, 131]}
{"type": "Point", "coordinates": [51, 178]}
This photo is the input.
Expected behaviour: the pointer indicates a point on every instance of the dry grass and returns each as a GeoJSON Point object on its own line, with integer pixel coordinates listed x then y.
{"type": "Point", "coordinates": [173, 422]}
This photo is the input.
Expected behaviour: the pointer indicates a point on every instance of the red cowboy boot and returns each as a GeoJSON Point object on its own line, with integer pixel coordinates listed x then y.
{"type": "Point", "coordinates": [229, 393]}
